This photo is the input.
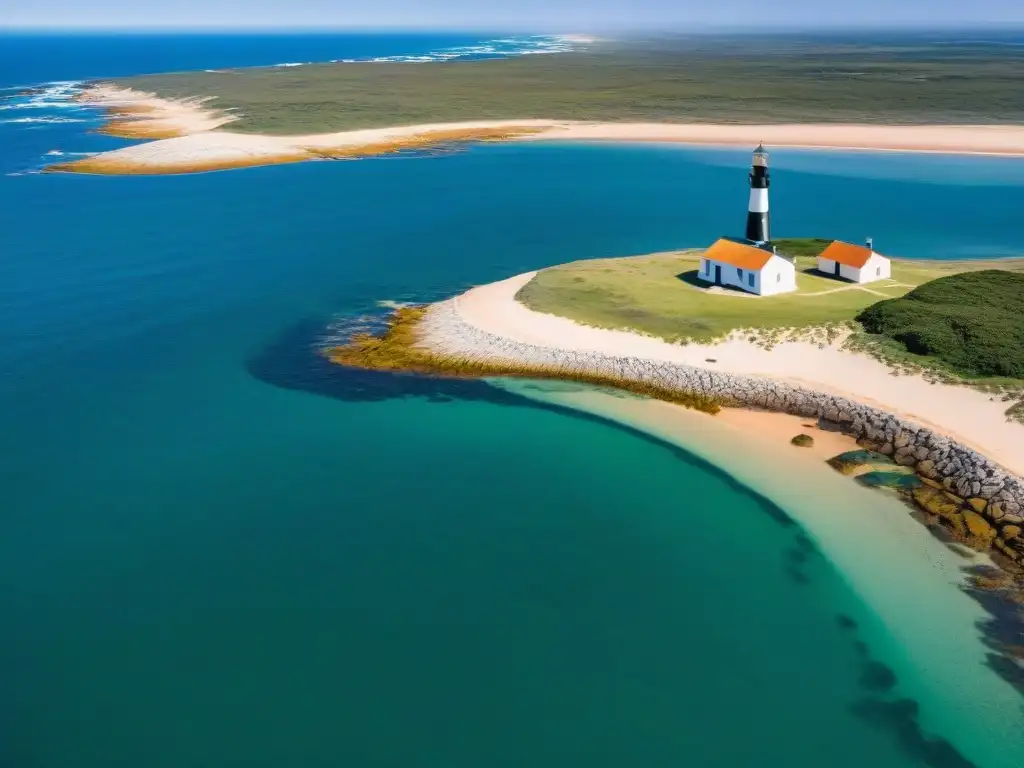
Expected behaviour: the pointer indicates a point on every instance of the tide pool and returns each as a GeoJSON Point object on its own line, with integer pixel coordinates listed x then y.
{"type": "Point", "coordinates": [216, 549]}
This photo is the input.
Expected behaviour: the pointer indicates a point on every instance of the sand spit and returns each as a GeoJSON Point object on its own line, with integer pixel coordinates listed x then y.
{"type": "Point", "coordinates": [188, 137]}
{"type": "Point", "coordinates": [138, 115]}
{"type": "Point", "coordinates": [189, 142]}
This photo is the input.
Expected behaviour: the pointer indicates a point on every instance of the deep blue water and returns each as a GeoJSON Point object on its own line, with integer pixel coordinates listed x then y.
{"type": "Point", "coordinates": [217, 550]}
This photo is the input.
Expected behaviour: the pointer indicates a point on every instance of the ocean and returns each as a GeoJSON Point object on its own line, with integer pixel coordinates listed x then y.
{"type": "Point", "coordinates": [216, 549]}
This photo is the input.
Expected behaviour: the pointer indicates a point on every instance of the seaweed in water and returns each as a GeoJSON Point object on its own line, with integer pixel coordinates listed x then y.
{"type": "Point", "coordinates": [804, 542]}
{"type": "Point", "coordinates": [845, 622]}
{"type": "Point", "coordinates": [878, 677]}
{"type": "Point", "coordinates": [295, 361]}
{"type": "Point", "coordinates": [798, 576]}
{"type": "Point", "coordinates": [900, 717]}
{"type": "Point", "coordinates": [797, 556]}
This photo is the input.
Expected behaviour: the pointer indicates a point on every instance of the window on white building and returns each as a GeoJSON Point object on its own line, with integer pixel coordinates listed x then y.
{"type": "Point", "coordinates": [750, 279]}
{"type": "Point", "coordinates": [778, 278]}
{"type": "Point", "coordinates": [878, 271]}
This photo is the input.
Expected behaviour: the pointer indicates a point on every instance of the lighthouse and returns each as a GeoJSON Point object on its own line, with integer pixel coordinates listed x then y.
{"type": "Point", "coordinates": [757, 211]}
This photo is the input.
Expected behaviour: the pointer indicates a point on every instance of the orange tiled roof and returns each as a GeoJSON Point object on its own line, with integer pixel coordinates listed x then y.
{"type": "Point", "coordinates": [855, 256]}
{"type": "Point", "coordinates": [738, 254]}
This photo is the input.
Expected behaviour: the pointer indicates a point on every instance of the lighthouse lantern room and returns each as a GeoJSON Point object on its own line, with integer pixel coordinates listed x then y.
{"type": "Point", "coordinates": [757, 212]}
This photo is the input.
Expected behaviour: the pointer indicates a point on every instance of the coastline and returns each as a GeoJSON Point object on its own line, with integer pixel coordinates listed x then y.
{"type": "Point", "coordinates": [909, 583]}
{"type": "Point", "coordinates": [966, 454]}
{"type": "Point", "coordinates": [966, 415]}
{"type": "Point", "coordinates": [187, 136]}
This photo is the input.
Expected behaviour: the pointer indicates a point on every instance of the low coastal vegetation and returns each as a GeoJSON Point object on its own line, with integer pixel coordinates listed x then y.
{"type": "Point", "coordinates": [398, 349]}
{"type": "Point", "coordinates": [971, 322]}
{"type": "Point", "coordinates": [731, 79]}
{"type": "Point", "coordinates": [660, 295]}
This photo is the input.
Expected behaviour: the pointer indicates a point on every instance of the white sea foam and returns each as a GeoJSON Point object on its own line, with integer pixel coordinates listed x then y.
{"type": "Point", "coordinates": [56, 95]}
{"type": "Point", "coordinates": [43, 120]}
{"type": "Point", "coordinates": [39, 104]}
{"type": "Point", "coordinates": [500, 47]}
{"type": "Point", "coordinates": [288, 64]}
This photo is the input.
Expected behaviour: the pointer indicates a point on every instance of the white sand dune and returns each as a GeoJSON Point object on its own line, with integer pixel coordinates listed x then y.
{"type": "Point", "coordinates": [967, 415]}
{"type": "Point", "coordinates": [189, 136]}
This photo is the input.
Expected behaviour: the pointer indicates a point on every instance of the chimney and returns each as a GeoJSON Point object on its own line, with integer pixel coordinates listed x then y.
{"type": "Point", "coordinates": [870, 244]}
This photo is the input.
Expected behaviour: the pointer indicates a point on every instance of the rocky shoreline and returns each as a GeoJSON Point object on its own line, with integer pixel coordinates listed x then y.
{"type": "Point", "coordinates": [968, 493]}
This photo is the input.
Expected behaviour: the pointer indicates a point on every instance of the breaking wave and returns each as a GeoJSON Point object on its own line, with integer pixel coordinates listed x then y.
{"type": "Point", "coordinates": [498, 48]}
{"type": "Point", "coordinates": [501, 47]}
{"type": "Point", "coordinates": [56, 95]}
{"type": "Point", "coordinates": [48, 119]}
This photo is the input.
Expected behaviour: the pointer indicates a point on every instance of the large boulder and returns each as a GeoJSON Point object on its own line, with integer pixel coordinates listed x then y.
{"type": "Point", "coordinates": [980, 532]}
{"type": "Point", "coordinates": [942, 505]}
{"type": "Point", "coordinates": [896, 479]}
{"type": "Point", "coordinates": [855, 463]}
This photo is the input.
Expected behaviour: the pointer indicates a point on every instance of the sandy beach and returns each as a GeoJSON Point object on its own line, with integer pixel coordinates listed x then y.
{"type": "Point", "coordinates": [972, 417]}
{"type": "Point", "coordinates": [188, 136]}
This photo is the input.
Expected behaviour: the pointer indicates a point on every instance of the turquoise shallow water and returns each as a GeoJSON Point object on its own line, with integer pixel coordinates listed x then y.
{"type": "Point", "coordinates": [215, 551]}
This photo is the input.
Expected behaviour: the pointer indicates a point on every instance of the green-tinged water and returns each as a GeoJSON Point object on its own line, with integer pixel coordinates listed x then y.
{"type": "Point", "coordinates": [217, 550]}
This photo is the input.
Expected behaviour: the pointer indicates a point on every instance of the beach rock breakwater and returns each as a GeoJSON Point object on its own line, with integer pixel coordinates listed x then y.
{"type": "Point", "coordinates": [964, 477]}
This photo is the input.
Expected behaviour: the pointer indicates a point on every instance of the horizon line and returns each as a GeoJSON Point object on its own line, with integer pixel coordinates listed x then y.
{"type": "Point", "coordinates": [991, 26]}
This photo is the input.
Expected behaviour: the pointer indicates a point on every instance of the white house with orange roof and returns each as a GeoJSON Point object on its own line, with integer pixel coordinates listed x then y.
{"type": "Point", "coordinates": [856, 263]}
{"type": "Point", "coordinates": [756, 269]}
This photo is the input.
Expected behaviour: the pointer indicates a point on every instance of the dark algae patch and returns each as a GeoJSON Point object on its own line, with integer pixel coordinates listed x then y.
{"type": "Point", "coordinates": [878, 677]}
{"type": "Point", "coordinates": [845, 622]}
{"type": "Point", "coordinates": [397, 350]}
{"type": "Point", "coordinates": [900, 716]}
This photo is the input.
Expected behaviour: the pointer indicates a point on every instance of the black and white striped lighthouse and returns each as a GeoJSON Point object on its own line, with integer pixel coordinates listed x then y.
{"type": "Point", "coordinates": [757, 212]}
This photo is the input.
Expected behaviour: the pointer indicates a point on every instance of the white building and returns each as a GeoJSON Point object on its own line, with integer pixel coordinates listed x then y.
{"type": "Point", "coordinates": [856, 263]}
{"type": "Point", "coordinates": [754, 269]}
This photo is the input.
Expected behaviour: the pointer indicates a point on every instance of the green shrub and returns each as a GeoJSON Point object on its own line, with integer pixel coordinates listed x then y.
{"type": "Point", "coordinates": [973, 322]}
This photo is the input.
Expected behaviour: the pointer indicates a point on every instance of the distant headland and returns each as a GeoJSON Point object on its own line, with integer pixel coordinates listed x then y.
{"type": "Point", "coordinates": [927, 98]}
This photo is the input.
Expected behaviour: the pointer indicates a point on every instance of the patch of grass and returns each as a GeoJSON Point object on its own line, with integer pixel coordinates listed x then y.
{"type": "Point", "coordinates": [398, 349]}
{"type": "Point", "coordinates": [659, 295]}
{"type": "Point", "coordinates": [802, 246]}
{"type": "Point", "coordinates": [972, 323]}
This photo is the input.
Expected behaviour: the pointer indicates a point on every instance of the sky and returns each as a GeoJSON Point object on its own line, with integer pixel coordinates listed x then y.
{"type": "Point", "coordinates": [523, 15]}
